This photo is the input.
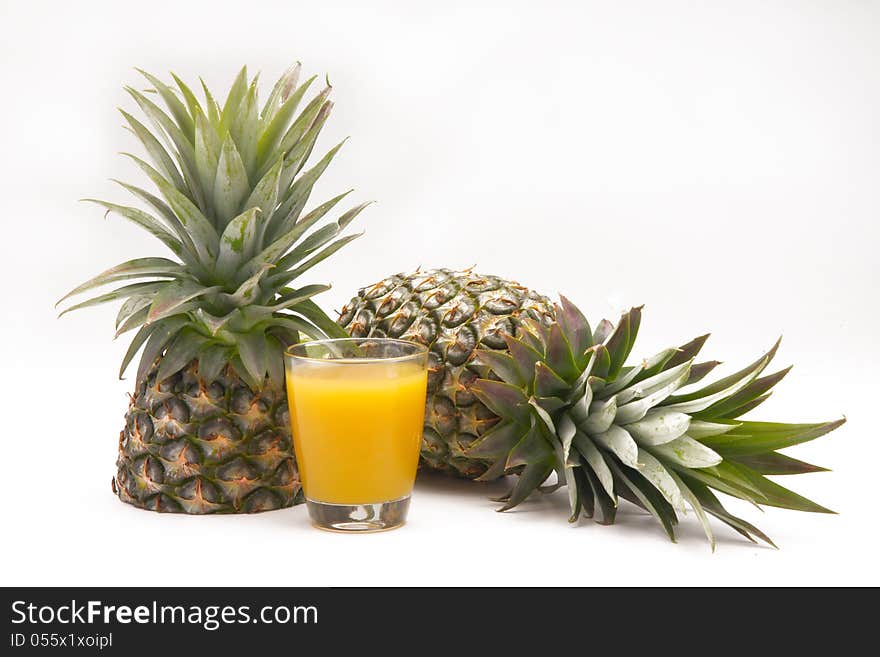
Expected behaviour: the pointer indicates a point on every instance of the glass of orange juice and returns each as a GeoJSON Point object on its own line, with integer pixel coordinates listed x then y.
{"type": "Point", "coordinates": [356, 410]}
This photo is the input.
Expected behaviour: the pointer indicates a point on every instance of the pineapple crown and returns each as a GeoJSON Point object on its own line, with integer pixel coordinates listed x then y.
{"type": "Point", "coordinates": [232, 190]}
{"type": "Point", "coordinates": [569, 404]}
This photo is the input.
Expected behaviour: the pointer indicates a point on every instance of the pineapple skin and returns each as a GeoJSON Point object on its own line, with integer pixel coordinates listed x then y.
{"type": "Point", "coordinates": [452, 313]}
{"type": "Point", "coordinates": [199, 447]}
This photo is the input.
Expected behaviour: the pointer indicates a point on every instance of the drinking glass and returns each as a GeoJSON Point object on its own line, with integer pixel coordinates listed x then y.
{"type": "Point", "coordinates": [357, 408]}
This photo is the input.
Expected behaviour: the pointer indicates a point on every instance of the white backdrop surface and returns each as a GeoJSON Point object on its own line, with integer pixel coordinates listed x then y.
{"type": "Point", "coordinates": [717, 162]}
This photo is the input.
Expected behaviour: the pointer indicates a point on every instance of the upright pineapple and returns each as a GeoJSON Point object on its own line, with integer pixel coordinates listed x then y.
{"type": "Point", "coordinates": [522, 387]}
{"type": "Point", "coordinates": [207, 428]}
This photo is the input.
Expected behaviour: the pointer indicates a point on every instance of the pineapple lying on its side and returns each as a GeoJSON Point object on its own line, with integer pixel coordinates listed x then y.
{"type": "Point", "coordinates": [453, 313]}
{"type": "Point", "coordinates": [207, 428]}
{"type": "Point", "coordinates": [519, 386]}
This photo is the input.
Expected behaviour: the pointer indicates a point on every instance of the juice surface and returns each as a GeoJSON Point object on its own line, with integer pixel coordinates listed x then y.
{"type": "Point", "coordinates": [357, 428]}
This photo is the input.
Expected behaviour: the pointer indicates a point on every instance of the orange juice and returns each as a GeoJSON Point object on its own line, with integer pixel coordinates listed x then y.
{"type": "Point", "coordinates": [357, 427]}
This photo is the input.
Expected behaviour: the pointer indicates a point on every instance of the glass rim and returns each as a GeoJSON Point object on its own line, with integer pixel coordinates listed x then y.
{"type": "Point", "coordinates": [418, 351]}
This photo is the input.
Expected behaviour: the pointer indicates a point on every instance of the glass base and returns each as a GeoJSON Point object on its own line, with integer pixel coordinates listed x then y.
{"type": "Point", "coordinates": [358, 517]}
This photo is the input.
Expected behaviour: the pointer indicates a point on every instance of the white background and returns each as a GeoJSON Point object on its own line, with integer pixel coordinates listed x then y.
{"type": "Point", "coordinates": [717, 162]}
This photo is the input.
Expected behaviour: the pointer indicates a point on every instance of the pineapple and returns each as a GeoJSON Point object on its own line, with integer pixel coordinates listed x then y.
{"type": "Point", "coordinates": [452, 312]}
{"type": "Point", "coordinates": [207, 427]}
{"type": "Point", "coordinates": [519, 386]}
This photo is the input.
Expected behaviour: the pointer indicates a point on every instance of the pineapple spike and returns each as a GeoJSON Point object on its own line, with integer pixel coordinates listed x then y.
{"type": "Point", "coordinates": [635, 433]}
{"type": "Point", "coordinates": [183, 220]}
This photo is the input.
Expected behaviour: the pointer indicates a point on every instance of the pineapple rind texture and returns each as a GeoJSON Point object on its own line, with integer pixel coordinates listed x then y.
{"type": "Point", "coordinates": [196, 446]}
{"type": "Point", "coordinates": [452, 313]}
